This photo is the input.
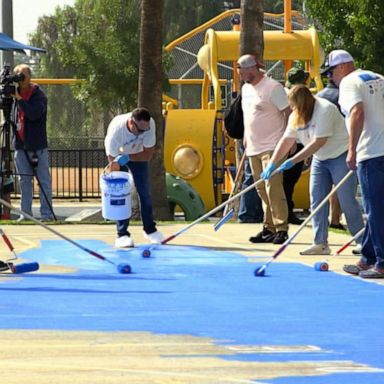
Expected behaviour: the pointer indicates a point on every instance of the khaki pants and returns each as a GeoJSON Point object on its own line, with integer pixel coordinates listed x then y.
{"type": "Point", "coordinates": [271, 193]}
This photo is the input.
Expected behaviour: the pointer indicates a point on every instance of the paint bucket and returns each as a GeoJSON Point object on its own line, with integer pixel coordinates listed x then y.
{"type": "Point", "coordinates": [116, 195]}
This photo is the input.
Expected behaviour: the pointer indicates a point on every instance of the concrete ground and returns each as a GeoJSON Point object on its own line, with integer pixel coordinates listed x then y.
{"type": "Point", "coordinates": [38, 355]}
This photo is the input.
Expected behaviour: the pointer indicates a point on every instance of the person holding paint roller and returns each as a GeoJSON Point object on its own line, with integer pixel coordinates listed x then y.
{"type": "Point", "coordinates": [129, 145]}
{"type": "Point", "coordinates": [361, 101]}
{"type": "Point", "coordinates": [319, 125]}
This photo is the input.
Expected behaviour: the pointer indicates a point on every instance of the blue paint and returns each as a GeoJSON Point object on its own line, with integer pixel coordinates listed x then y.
{"type": "Point", "coordinates": [368, 76]}
{"type": "Point", "coordinates": [201, 292]}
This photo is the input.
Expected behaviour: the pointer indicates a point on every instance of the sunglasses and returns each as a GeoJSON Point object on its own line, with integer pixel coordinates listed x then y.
{"type": "Point", "coordinates": [134, 122]}
{"type": "Point", "coordinates": [331, 70]}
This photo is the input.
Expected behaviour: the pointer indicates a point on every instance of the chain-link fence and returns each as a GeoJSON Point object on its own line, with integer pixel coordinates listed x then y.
{"type": "Point", "coordinates": [76, 146]}
{"type": "Point", "coordinates": [70, 123]}
{"type": "Point", "coordinates": [185, 66]}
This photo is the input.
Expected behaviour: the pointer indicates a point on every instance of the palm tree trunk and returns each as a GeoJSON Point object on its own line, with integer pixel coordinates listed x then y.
{"type": "Point", "coordinates": [150, 95]}
{"type": "Point", "coordinates": [251, 35]}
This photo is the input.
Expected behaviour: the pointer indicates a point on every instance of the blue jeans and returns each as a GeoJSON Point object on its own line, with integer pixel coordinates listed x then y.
{"type": "Point", "coordinates": [250, 209]}
{"type": "Point", "coordinates": [140, 173]}
{"type": "Point", "coordinates": [371, 176]}
{"type": "Point", "coordinates": [26, 175]}
{"type": "Point", "coordinates": [323, 175]}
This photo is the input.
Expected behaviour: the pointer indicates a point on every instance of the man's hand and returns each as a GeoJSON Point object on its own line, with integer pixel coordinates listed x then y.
{"type": "Point", "coordinates": [122, 159]}
{"type": "Point", "coordinates": [351, 160]}
{"type": "Point", "coordinates": [288, 164]}
{"type": "Point", "coordinates": [267, 173]}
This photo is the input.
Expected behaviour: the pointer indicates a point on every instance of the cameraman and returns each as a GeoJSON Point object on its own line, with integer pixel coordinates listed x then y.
{"type": "Point", "coordinates": [31, 144]}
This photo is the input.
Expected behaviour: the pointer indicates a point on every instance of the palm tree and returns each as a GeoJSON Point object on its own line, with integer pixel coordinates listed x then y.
{"type": "Point", "coordinates": [150, 94]}
{"type": "Point", "coordinates": [251, 35]}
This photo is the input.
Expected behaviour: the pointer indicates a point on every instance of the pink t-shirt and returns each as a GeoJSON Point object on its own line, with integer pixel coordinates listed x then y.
{"type": "Point", "coordinates": [264, 121]}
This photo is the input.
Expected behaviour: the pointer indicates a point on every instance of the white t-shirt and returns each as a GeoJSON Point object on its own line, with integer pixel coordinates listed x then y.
{"type": "Point", "coordinates": [366, 87]}
{"type": "Point", "coordinates": [326, 121]}
{"type": "Point", "coordinates": [264, 122]}
{"type": "Point", "coordinates": [120, 140]}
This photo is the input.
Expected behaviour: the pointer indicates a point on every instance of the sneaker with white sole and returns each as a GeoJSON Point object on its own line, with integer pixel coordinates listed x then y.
{"type": "Point", "coordinates": [154, 237]}
{"type": "Point", "coordinates": [124, 242]}
{"type": "Point", "coordinates": [317, 249]}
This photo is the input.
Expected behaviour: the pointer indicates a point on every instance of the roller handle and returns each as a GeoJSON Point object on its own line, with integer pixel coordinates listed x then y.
{"type": "Point", "coordinates": [7, 241]}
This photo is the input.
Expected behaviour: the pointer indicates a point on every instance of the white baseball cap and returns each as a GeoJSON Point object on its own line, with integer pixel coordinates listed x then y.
{"type": "Point", "coordinates": [249, 61]}
{"type": "Point", "coordinates": [336, 57]}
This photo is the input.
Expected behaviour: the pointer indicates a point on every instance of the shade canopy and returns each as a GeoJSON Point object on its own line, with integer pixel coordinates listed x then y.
{"type": "Point", "coordinates": [8, 44]}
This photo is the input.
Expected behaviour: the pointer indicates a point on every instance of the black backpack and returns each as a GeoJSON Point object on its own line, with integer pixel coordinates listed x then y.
{"type": "Point", "coordinates": [233, 119]}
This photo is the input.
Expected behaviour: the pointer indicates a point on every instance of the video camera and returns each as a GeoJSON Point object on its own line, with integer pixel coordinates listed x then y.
{"type": "Point", "coordinates": [7, 87]}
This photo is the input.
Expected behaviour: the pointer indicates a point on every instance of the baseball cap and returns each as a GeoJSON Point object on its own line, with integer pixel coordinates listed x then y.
{"type": "Point", "coordinates": [248, 61]}
{"type": "Point", "coordinates": [296, 76]}
{"type": "Point", "coordinates": [336, 57]}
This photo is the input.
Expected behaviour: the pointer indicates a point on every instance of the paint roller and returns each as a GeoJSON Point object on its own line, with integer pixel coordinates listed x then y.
{"type": "Point", "coordinates": [17, 268]}
{"type": "Point", "coordinates": [121, 268]}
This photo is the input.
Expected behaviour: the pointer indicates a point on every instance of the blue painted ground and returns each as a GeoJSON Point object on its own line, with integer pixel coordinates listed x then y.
{"type": "Point", "coordinates": [197, 291]}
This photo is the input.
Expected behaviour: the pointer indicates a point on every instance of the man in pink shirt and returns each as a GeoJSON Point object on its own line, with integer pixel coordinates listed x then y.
{"type": "Point", "coordinates": [265, 108]}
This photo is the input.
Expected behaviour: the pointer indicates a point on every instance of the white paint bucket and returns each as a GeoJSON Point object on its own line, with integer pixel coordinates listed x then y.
{"type": "Point", "coordinates": [116, 195]}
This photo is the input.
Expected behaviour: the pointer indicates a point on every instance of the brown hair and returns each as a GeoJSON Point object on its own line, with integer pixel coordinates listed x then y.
{"type": "Point", "coordinates": [141, 113]}
{"type": "Point", "coordinates": [302, 103]}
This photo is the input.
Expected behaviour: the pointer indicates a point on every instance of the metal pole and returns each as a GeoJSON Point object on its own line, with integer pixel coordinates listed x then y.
{"type": "Point", "coordinates": [7, 28]}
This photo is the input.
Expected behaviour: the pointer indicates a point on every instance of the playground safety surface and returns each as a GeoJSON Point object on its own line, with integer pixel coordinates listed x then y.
{"type": "Point", "coordinates": [191, 313]}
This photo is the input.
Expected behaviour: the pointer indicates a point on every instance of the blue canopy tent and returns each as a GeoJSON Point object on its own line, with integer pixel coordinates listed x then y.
{"type": "Point", "coordinates": [8, 44]}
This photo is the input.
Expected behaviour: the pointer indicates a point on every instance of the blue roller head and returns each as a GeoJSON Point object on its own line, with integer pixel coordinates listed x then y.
{"type": "Point", "coordinates": [124, 268]}
{"type": "Point", "coordinates": [25, 267]}
{"type": "Point", "coordinates": [321, 266]}
{"type": "Point", "coordinates": [224, 219]}
{"type": "Point", "coordinates": [260, 271]}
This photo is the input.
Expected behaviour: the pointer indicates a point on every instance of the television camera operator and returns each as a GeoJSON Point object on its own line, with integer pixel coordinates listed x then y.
{"type": "Point", "coordinates": [29, 114]}
{"type": "Point", "coordinates": [7, 87]}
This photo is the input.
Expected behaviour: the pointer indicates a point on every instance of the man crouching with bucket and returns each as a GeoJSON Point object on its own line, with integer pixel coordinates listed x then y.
{"type": "Point", "coordinates": [129, 145]}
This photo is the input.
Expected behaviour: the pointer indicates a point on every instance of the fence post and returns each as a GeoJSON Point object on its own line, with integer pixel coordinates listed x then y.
{"type": "Point", "coordinates": [80, 176]}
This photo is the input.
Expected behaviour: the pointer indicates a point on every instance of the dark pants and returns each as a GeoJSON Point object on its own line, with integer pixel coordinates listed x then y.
{"type": "Point", "coordinates": [140, 173]}
{"type": "Point", "coordinates": [371, 178]}
{"type": "Point", "coordinates": [251, 209]}
{"type": "Point", "coordinates": [290, 178]}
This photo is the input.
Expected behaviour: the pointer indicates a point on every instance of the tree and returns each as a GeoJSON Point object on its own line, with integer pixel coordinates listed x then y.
{"type": "Point", "coordinates": [150, 94]}
{"type": "Point", "coordinates": [251, 35]}
{"type": "Point", "coordinates": [180, 17]}
{"type": "Point", "coordinates": [108, 64]}
{"type": "Point", "coordinates": [354, 25]}
{"type": "Point", "coordinates": [61, 117]}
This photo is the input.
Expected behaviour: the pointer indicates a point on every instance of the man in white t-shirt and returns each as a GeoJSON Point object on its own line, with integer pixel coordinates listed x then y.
{"type": "Point", "coordinates": [129, 145]}
{"type": "Point", "coordinates": [361, 98]}
{"type": "Point", "coordinates": [265, 109]}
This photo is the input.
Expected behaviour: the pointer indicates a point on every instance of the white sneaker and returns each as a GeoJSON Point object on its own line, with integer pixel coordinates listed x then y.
{"type": "Point", "coordinates": [317, 249]}
{"type": "Point", "coordinates": [154, 237]}
{"type": "Point", "coordinates": [124, 242]}
{"type": "Point", "coordinates": [21, 218]}
{"type": "Point", "coordinates": [357, 249]}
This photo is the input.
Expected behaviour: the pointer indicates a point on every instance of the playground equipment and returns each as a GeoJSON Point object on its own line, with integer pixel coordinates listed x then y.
{"type": "Point", "coordinates": [195, 148]}
{"type": "Point", "coordinates": [181, 194]}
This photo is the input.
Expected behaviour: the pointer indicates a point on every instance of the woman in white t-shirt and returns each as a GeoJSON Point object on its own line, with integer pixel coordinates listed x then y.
{"type": "Point", "coordinates": [320, 127]}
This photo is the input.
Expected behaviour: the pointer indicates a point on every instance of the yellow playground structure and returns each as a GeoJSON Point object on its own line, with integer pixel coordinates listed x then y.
{"type": "Point", "coordinates": [203, 81]}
